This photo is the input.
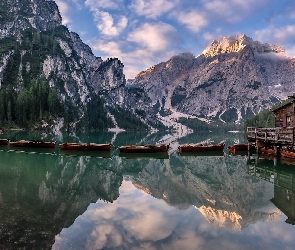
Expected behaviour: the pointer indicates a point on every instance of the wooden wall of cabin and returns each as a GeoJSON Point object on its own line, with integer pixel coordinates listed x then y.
{"type": "Point", "coordinates": [284, 117]}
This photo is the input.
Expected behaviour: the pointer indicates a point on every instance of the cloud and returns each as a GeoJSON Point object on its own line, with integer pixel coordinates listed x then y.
{"type": "Point", "coordinates": [135, 58]}
{"type": "Point", "coordinates": [232, 11]}
{"type": "Point", "coordinates": [152, 8]}
{"type": "Point", "coordinates": [63, 8]}
{"type": "Point", "coordinates": [102, 4]}
{"type": "Point", "coordinates": [106, 23]}
{"type": "Point", "coordinates": [280, 35]}
{"type": "Point", "coordinates": [154, 37]}
{"type": "Point", "coordinates": [193, 20]}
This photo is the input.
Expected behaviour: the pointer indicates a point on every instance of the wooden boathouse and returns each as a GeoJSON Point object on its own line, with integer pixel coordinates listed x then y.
{"type": "Point", "coordinates": [283, 135]}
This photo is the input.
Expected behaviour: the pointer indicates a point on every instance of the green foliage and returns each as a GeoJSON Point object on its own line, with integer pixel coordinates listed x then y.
{"type": "Point", "coordinates": [202, 126]}
{"type": "Point", "coordinates": [265, 119]}
{"type": "Point", "coordinates": [230, 115]}
{"type": "Point", "coordinates": [30, 105]}
{"type": "Point", "coordinates": [96, 115]}
{"type": "Point", "coordinates": [127, 120]}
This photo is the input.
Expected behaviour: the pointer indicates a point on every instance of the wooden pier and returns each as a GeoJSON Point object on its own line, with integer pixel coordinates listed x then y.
{"type": "Point", "coordinates": [272, 136]}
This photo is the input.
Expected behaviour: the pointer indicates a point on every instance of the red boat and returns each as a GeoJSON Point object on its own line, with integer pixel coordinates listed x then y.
{"type": "Point", "coordinates": [267, 151]}
{"type": "Point", "coordinates": [200, 147]}
{"type": "Point", "coordinates": [33, 144]}
{"type": "Point", "coordinates": [240, 147]}
{"type": "Point", "coordinates": [287, 153]}
{"type": "Point", "coordinates": [85, 146]}
{"type": "Point", "coordinates": [144, 148]}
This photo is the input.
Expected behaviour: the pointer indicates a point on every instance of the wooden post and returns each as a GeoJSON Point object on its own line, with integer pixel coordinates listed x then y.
{"type": "Point", "coordinates": [275, 161]}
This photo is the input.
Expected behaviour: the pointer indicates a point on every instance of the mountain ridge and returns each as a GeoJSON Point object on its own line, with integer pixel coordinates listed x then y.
{"type": "Point", "coordinates": [238, 75]}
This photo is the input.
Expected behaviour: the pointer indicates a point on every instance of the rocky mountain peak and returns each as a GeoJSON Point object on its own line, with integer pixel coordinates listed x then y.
{"type": "Point", "coordinates": [20, 15]}
{"type": "Point", "coordinates": [236, 43]}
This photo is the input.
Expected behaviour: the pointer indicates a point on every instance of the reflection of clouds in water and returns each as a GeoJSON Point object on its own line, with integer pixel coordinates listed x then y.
{"type": "Point", "coordinates": [128, 225]}
{"type": "Point", "coordinates": [151, 226]}
{"type": "Point", "coordinates": [103, 235]}
{"type": "Point", "coordinates": [138, 221]}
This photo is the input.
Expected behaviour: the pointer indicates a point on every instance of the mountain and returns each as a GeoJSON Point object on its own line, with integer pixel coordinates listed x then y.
{"type": "Point", "coordinates": [231, 80]}
{"type": "Point", "coordinates": [49, 78]}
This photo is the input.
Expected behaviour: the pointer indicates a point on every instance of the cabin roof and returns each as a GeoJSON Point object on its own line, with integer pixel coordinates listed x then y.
{"type": "Point", "coordinates": [290, 100]}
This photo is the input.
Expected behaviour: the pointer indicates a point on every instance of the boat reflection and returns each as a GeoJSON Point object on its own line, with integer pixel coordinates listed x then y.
{"type": "Point", "coordinates": [4, 147]}
{"type": "Point", "coordinates": [202, 153]}
{"type": "Point", "coordinates": [33, 150]}
{"type": "Point", "coordinates": [157, 155]}
{"type": "Point", "coordinates": [97, 154]}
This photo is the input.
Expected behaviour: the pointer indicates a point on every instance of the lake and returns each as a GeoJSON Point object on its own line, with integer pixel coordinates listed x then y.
{"type": "Point", "coordinates": [50, 200]}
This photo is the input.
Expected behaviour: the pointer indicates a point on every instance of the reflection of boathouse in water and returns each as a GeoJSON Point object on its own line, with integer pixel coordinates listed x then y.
{"type": "Point", "coordinates": [282, 135]}
{"type": "Point", "coordinates": [283, 179]}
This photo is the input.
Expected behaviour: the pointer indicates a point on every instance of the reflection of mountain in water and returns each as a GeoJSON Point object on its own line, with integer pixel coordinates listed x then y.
{"type": "Point", "coordinates": [282, 175]}
{"type": "Point", "coordinates": [219, 187]}
{"type": "Point", "coordinates": [42, 194]}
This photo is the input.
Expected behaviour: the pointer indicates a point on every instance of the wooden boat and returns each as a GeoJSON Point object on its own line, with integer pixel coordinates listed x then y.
{"type": "Point", "coordinates": [200, 147]}
{"type": "Point", "coordinates": [85, 146]}
{"type": "Point", "coordinates": [33, 144]}
{"type": "Point", "coordinates": [144, 148]}
{"type": "Point", "coordinates": [287, 153]}
{"type": "Point", "coordinates": [267, 151]}
{"type": "Point", "coordinates": [240, 147]}
{"type": "Point", "coordinates": [4, 141]}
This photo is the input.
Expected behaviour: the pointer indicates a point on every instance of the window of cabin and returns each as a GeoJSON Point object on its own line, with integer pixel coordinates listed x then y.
{"type": "Point", "coordinates": [289, 121]}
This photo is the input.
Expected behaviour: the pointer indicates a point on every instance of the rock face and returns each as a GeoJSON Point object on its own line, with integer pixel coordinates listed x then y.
{"type": "Point", "coordinates": [234, 78]}
{"type": "Point", "coordinates": [18, 15]}
{"type": "Point", "coordinates": [34, 45]}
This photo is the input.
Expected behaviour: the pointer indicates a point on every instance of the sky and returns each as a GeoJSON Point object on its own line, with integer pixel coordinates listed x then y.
{"type": "Point", "coordinates": [143, 33]}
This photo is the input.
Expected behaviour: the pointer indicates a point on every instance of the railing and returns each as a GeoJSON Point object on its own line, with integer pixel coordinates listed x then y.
{"type": "Point", "coordinates": [273, 135]}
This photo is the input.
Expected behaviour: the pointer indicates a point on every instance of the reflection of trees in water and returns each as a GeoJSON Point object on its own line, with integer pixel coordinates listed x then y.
{"type": "Point", "coordinates": [41, 194]}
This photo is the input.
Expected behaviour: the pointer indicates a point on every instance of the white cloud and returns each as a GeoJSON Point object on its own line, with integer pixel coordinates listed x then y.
{"type": "Point", "coordinates": [106, 23]}
{"type": "Point", "coordinates": [154, 37]}
{"type": "Point", "coordinates": [63, 8]}
{"type": "Point", "coordinates": [194, 20]}
{"type": "Point", "coordinates": [102, 4]}
{"type": "Point", "coordinates": [281, 35]}
{"type": "Point", "coordinates": [152, 8]}
{"type": "Point", "coordinates": [290, 51]}
{"type": "Point", "coordinates": [232, 11]}
{"type": "Point", "coordinates": [110, 49]}
{"type": "Point", "coordinates": [135, 60]}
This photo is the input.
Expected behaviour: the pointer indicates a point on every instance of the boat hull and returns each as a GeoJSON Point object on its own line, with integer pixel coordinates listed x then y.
{"type": "Point", "coordinates": [4, 141]}
{"type": "Point", "coordinates": [32, 144]}
{"type": "Point", "coordinates": [85, 146]}
{"type": "Point", "coordinates": [240, 147]}
{"type": "Point", "coordinates": [287, 154]}
{"type": "Point", "coordinates": [199, 148]}
{"type": "Point", "coordinates": [143, 148]}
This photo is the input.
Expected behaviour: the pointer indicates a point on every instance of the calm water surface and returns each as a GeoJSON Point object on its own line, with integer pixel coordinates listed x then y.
{"type": "Point", "coordinates": [49, 200]}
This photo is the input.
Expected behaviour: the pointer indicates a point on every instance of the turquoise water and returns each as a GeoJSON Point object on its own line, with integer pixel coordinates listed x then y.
{"type": "Point", "coordinates": [49, 200]}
